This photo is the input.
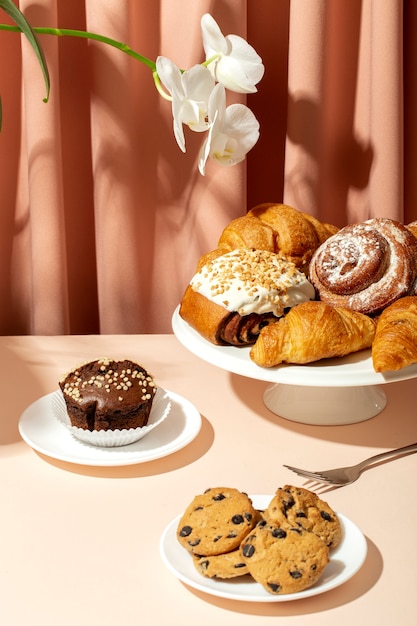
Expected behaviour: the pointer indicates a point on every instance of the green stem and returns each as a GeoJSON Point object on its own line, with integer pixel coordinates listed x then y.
{"type": "Point", "coordinates": [211, 59]}
{"type": "Point", "coordinates": [159, 87]}
{"type": "Point", "coordinates": [67, 32]}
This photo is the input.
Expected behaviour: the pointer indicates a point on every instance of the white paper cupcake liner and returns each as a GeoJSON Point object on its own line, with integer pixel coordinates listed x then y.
{"type": "Point", "coordinates": [161, 407]}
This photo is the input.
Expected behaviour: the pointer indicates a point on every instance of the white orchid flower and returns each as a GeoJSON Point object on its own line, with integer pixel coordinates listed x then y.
{"type": "Point", "coordinates": [190, 92]}
{"type": "Point", "coordinates": [232, 61]}
{"type": "Point", "coordinates": [233, 131]}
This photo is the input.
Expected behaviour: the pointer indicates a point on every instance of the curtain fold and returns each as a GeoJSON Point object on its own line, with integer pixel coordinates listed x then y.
{"type": "Point", "coordinates": [44, 197]}
{"type": "Point", "coordinates": [345, 128]}
{"type": "Point", "coordinates": [154, 213]}
{"type": "Point", "coordinates": [103, 218]}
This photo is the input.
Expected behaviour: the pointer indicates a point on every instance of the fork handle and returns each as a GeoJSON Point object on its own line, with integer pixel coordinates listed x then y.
{"type": "Point", "coordinates": [385, 455]}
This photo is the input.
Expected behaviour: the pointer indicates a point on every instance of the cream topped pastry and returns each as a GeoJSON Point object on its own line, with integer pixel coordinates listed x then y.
{"type": "Point", "coordinates": [252, 281]}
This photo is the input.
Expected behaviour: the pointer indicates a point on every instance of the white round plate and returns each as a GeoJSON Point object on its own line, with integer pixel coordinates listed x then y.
{"type": "Point", "coordinates": [351, 371]}
{"type": "Point", "coordinates": [41, 429]}
{"type": "Point", "coordinates": [345, 561]}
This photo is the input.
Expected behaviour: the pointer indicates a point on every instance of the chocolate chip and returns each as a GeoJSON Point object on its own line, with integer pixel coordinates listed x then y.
{"type": "Point", "coordinates": [287, 504]}
{"type": "Point", "coordinates": [296, 574]}
{"type": "Point", "coordinates": [194, 543]}
{"type": "Point", "coordinates": [199, 508]}
{"type": "Point", "coordinates": [274, 587]}
{"type": "Point", "coordinates": [248, 550]}
{"type": "Point", "coordinates": [238, 565]}
{"type": "Point", "coordinates": [248, 516]}
{"type": "Point", "coordinates": [279, 533]}
{"type": "Point", "coordinates": [204, 564]}
{"type": "Point", "coordinates": [326, 516]}
{"type": "Point", "coordinates": [237, 519]}
{"type": "Point", "coordinates": [185, 531]}
{"type": "Point", "coordinates": [217, 538]}
{"type": "Point", "coordinates": [218, 497]}
{"type": "Point", "coordinates": [301, 514]}
{"type": "Point", "coordinates": [231, 535]}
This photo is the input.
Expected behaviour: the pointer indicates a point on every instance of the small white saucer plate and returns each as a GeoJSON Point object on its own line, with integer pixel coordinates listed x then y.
{"type": "Point", "coordinates": [42, 431]}
{"type": "Point", "coordinates": [345, 562]}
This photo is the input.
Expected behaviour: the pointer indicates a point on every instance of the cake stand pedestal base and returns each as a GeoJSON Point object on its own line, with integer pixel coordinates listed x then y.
{"type": "Point", "coordinates": [325, 406]}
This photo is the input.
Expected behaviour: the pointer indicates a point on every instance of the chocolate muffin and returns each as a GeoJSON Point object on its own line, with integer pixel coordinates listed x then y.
{"type": "Point", "coordinates": [107, 395]}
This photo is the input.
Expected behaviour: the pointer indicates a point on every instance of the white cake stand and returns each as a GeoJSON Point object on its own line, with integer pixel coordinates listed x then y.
{"type": "Point", "coordinates": [329, 392]}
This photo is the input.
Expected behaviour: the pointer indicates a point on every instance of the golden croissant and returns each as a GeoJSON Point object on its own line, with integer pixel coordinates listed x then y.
{"type": "Point", "coordinates": [312, 331]}
{"type": "Point", "coordinates": [395, 343]}
{"type": "Point", "coordinates": [277, 228]}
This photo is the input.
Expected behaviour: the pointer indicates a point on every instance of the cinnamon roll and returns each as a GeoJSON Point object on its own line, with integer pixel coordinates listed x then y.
{"type": "Point", "coordinates": [218, 325]}
{"type": "Point", "coordinates": [413, 227]}
{"type": "Point", "coordinates": [366, 266]}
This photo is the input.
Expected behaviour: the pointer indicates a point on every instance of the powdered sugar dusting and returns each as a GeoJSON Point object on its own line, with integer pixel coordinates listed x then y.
{"type": "Point", "coordinates": [366, 266]}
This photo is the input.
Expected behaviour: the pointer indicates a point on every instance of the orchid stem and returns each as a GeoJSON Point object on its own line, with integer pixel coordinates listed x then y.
{"type": "Point", "coordinates": [67, 32]}
{"type": "Point", "coordinates": [159, 87]}
{"type": "Point", "coordinates": [207, 62]}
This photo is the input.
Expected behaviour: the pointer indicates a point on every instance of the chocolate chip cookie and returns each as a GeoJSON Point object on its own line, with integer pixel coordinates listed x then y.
{"type": "Point", "coordinates": [284, 559]}
{"type": "Point", "coordinates": [301, 508]}
{"type": "Point", "coordinates": [216, 521]}
{"type": "Point", "coordinates": [227, 565]}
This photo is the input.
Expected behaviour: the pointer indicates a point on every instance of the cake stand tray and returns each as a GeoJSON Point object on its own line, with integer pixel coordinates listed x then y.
{"type": "Point", "coordinates": [328, 392]}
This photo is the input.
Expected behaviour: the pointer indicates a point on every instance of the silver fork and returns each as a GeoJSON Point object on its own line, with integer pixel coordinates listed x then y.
{"type": "Point", "coordinates": [347, 475]}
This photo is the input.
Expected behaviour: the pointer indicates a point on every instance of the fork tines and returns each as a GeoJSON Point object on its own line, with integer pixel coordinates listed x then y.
{"type": "Point", "coordinates": [310, 475]}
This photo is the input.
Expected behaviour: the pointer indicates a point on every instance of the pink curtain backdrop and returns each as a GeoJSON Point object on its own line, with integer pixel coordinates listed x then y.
{"type": "Point", "coordinates": [103, 218]}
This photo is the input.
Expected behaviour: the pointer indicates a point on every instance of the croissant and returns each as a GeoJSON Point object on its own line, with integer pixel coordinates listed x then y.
{"type": "Point", "coordinates": [277, 228]}
{"type": "Point", "coordinates": [292, 226]}
{"type": "Point", "coordinates": [395, 343]}
{"type": "Point", "coordinates": [208, 258]}
{"type": "Point", "coordinates": [247, 232]}
{"type": "Point", "coordinates": [312, 331]}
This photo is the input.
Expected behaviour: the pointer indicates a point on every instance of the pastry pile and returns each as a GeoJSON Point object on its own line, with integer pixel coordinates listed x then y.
{"type": "Point", "coordinates": [344, 290]}
{"type": "Point", "coordinates": [285, 548]}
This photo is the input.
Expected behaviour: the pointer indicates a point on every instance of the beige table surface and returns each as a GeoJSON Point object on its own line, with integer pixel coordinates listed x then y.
{"type": "Point", "coordinates": [79, 545]}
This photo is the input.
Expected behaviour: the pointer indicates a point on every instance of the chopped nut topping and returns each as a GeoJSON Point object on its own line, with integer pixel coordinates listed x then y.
{"type": "Point", "coordinates": [252, 281]}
